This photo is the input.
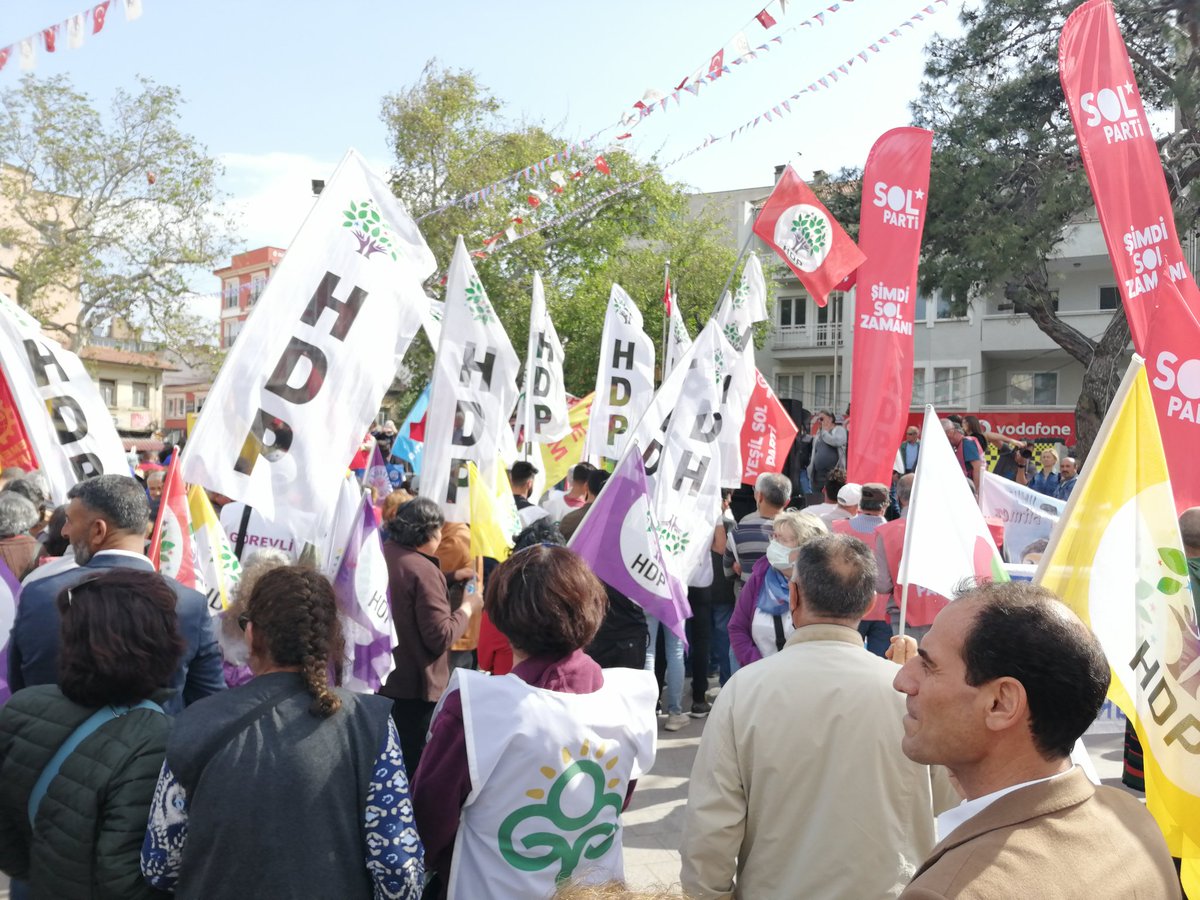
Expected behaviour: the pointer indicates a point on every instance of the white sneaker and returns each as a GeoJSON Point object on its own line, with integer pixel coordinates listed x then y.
{"type": "Point", "coordinates": [675, 721]}
{"type": "Point", "coordinates": [711, 694]}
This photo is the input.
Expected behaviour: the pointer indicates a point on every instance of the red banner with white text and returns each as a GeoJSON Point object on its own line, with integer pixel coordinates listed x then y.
{"type": "Point", "coordinates": [767, 432]}
{"type": "Point", "coordinates": [894, 188]}
{"type": "Point", "coordinates": [1125, 173]}
{"type": "Point", "coordinates": [15, 449]}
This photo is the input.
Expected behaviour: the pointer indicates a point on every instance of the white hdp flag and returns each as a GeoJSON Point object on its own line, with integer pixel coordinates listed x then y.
{"type": "Point", "coordinates": [678, 339]}
{"type": "Point", "coordinates": [736, 318]}
{"type": "Point", "coordinates": [68, 424]}
{"type": "Point", "coordinates": [624, 379]}
{"type": "Point", "coordinates": [307, 374]}
{"type": "Point", "coordinates": [946, 540]}
{"type": "Point", "coordinates": [473, 393]}
{"type": "Point", "coordinates": [678, 439]}
{"type": "Point", "coordinates": [544, 417]}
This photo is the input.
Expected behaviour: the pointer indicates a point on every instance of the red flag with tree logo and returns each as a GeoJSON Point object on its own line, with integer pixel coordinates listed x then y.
{"type": "Point", "coordinates": [894, 187]}
{"type": "Point", "coordinates": [800, 229]}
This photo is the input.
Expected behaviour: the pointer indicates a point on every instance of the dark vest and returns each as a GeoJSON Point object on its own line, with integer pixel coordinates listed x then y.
{"type": "Point", "coordinates": [276, 795]}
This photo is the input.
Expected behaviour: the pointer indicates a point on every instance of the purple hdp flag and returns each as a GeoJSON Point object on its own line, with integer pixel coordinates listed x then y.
{"type": "Point", "coordinates": [361, 587]}
{"type": "Point", "coordinates": [619, 539]}
{"type": "Point", "coordinates": [9, 589]}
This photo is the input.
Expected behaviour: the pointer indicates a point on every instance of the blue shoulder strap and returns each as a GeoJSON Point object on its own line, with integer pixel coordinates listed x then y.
{"type": "Point", "coordinates": [89, 725]}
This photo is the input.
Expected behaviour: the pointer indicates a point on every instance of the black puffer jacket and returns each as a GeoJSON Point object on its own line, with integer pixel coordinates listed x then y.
{"type": "Point", "coordinates": [87, 838]}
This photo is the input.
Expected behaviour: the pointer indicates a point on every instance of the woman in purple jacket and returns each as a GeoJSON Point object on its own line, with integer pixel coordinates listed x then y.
{"type": "Point", "coordinates": [760, 623]}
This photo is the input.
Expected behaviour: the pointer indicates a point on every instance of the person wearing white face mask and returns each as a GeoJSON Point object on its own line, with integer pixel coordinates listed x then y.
{"type": "Point", "coordinates": [760, 623]}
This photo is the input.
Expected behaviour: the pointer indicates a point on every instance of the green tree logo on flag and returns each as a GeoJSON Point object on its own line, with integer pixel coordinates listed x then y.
{"type": "Point", "coordinates": [477, 302]}
{"type": "Point", "coordinates": [732, 334]}
{"type": "Point", "coordinates": [805, 236]}
{"type": "Point", "coordinates": [370, 229]}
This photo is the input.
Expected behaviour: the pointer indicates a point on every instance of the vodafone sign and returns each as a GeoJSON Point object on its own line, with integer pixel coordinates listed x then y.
{"type": "Point", "coordinates": [1026, 425]}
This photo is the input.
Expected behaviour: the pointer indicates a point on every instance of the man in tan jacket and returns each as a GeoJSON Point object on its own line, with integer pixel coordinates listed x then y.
{"type": "Point", "coordinates": [1004, 684]}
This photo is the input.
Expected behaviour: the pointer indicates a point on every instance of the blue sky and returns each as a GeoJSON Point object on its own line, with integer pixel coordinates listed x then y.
{"type": "Point", "coordinates": [278, 90]}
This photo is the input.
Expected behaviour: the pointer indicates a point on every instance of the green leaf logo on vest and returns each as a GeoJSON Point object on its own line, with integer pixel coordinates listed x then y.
{"type": "Point", "coordinates": [370, 229]}
{"type": "Point", "coordinates": [565, 839]}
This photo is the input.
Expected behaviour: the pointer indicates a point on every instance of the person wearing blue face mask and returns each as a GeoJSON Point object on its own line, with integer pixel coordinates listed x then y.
{"type": "Point", "coordinates": [760, 623]}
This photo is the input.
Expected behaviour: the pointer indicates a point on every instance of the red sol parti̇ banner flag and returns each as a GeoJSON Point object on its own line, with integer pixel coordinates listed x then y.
{"type": "Point", "coordinates": [800, 229]}
{"type": "Point", "coordinates": [1121, 158]}
{"type": "Point", "coordinates": [895, 186]}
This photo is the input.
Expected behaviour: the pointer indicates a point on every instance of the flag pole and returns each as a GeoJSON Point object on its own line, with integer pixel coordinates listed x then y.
{"type": "Point", "coordinates": [728, 281]}
{"type": "Point", "coordinates": [902, 570]}
{"type": "Point", "coordinates": [662, 366]}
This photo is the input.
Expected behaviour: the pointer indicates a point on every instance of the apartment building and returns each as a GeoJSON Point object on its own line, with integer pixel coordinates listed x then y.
{"type": "Point", "coordinates": [990, 361]}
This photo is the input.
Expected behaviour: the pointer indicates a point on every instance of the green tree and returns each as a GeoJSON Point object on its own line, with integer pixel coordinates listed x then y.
{"type": "Point", "coordinates": [112, 211]}
{"type": "Point", "coordinates": [449, 136]}
{"type": "Point", "coordinates": [1007, 178]}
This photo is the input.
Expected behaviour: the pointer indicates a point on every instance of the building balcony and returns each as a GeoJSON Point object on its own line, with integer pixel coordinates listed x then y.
{"type": "Point", "coordinates": [821, 336]}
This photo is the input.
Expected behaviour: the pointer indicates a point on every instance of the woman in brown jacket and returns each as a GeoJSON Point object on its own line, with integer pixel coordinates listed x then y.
{"type": "Point", "coordinates": [425, 624]}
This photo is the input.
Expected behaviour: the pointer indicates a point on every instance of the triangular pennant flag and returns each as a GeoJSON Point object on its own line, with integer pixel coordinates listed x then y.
{"type": "Point", "coordinates": [75, 31]}
{"type": "Point", "coordinates": [947, 539]}
{"type": "Point", "coordinates": [602, 165]}
{"type": "Point", "coordinates": [50, 38]}
{"type": "Point", "coordinates": [361, 588]}
{"type": "Point", "coordinates": [619, 538]}
{"type": "Point", "coordinates": [99, 16]}
{"type": "Point", "coordinates": [820, 17]}
{"type": "Point", "coordinates": [4, 55]}
{"type": "Point", "coordinates": [765, 19]}
{"type": "Point", "coordinates": [133, 10]}
{"type": "Point", "coordinates": [28, 60]}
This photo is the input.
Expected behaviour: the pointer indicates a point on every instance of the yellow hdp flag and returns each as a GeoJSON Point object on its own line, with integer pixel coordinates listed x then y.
{"type": "Point", "coordinates": [216, 563]}
{"type": "Point", "coordinates": [1116, 558]}
{"type": "Point", "coordinates": [493, 514]}
{"type": "Point", "coordinates": [558, 457]}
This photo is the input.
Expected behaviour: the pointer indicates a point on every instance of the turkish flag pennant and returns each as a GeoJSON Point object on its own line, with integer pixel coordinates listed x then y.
{"type": "Point", "coordinates": [50, 38]}
{"type": "Point", "coordinates": [667, 296]}
{"type": "Point", "coordinates": [1125, 172]}
{"type": "Point", "coordinates": [99, 13]}
{"type": "Point", "coordinates": [534, 201]}
{"type": "Point", "coordinates": [602, 166]}
{"type": "Point", "coordinates": [768, 432]}
{"type": "Point", "coordinates": [800, 229]}
{"type": "Point", "coordinates": [4, 55]}
{"type": "Point", "coordinates": [894, 187]}
{"type": "Point", "coordinates": [765, 19]}
{"type": "Point", "coordinates": [717, 64]}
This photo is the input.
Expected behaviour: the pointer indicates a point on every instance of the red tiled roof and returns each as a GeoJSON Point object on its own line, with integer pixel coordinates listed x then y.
{"type": "Point", "coordinates": [125, 358]}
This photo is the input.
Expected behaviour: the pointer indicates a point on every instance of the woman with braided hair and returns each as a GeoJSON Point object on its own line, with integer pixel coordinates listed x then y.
{"type": "Point", "coordinates": [286, 786]}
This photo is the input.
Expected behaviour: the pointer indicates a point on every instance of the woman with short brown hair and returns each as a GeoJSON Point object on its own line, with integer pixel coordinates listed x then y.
{"type": "Point", "coordinates": [554, 729]}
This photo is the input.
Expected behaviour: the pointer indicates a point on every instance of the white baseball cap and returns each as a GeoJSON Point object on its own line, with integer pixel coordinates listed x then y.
{"type": "Point", "coordinates": [850, 494]}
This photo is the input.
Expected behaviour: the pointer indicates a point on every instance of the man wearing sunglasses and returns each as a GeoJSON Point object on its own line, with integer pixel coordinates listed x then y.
{"type": "Point", "coordinates": [107, 517]}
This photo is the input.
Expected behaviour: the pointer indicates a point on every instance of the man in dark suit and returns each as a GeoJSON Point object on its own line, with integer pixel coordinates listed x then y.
{"type": "Point", "coordinates": [106, 524]}
{"type": "Point", "coordinates": [1004, 684]}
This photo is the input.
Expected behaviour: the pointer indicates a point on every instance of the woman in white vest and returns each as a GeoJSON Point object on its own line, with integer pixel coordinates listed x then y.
{"type": "Point", "coordinates": [525, 775]}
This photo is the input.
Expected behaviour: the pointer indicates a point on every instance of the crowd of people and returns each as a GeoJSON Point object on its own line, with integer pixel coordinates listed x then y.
{"type": "Point", "coordinates": [150, 746]}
